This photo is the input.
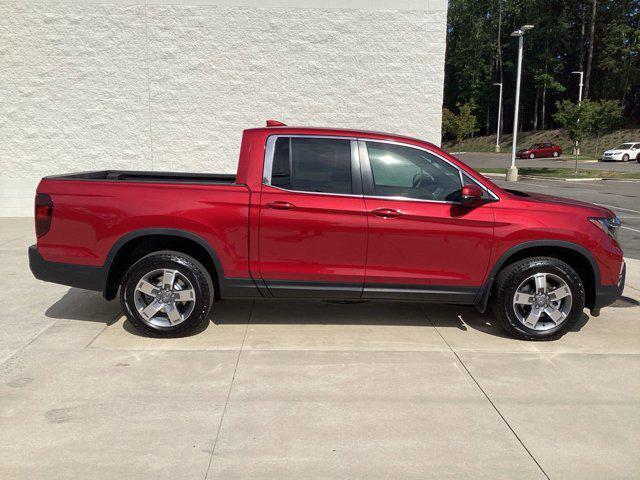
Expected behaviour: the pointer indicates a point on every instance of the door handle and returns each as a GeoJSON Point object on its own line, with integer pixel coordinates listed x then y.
{"type": "Point", "coordinates": [280, 205]}
{"type": "Point", "coordinates": [386, 213]}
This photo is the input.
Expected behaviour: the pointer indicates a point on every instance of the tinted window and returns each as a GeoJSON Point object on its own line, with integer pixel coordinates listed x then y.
{"type": "Point", "coordinates": [400, 171]}
{"type": "Point", "coordinates": [312, 165]}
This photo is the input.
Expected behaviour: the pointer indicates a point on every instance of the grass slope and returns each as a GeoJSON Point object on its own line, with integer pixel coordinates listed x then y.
{"type": "Point", "coordinates": [525, 139]}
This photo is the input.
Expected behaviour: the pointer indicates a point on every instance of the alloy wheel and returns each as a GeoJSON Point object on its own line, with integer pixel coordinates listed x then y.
{"type": "Point", "coordinates": [164, 297]}
{"type": "Point", "coordinates": [542, 301]}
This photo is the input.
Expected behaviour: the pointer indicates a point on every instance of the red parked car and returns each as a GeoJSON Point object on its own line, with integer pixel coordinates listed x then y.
{"type": "Point", "coordinates": [540, 150]}
{"type": "Point", "coordinates": [326, 213]}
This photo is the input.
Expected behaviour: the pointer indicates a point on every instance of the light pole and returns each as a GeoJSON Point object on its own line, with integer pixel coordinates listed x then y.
{"type": "Point", "coordinates": [581, 73]}
{"type": "Point", "coordinates": [512, 173]}
{"type": "Point", "coordinates": [499, 117]}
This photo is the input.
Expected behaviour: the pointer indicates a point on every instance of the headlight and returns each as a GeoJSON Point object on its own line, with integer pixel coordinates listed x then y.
{"type": "Point", "coordinates": [609, 226]}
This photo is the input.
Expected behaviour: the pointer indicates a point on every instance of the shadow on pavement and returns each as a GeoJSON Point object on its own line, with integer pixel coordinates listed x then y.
{"type": "Point", "coordinates": [89, 306]}
{"type": "Point", "coordinates": [84, 305]}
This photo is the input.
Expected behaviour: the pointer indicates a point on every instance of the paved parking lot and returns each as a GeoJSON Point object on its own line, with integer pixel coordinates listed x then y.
{"type": "Point", "coordinates": [308, 390]}
{"type": "Point", "coordinates": [496, 160]}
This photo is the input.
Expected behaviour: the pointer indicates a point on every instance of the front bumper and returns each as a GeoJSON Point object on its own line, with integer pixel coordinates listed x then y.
{"type": "Point", "coordinates": [607, 294]}
{"type": "Point", "coordinates": [79, 276]}
{"type": "Point", "coordinates": [611, 158]}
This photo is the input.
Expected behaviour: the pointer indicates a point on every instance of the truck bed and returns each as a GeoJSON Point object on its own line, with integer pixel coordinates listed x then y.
{"type": "Point", "coordinates": [149, 177]}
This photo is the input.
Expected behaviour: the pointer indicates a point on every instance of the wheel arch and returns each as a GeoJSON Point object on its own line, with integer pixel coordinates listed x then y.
{"type": "Point", "coordinates": [136, 244]}
{"type": "Point", "coordinates": [578, 257]}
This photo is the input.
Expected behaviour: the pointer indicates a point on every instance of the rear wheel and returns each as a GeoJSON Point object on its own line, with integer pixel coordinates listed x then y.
{"type": "Point", "coordinates": [538, 298]}
{"type": "Point", "coordinates": [556, 154]}
{"type": "Point", "coordinates": [167, 293]}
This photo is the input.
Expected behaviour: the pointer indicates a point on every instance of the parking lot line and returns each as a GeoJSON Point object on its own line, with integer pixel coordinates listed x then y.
{"type": "Point", "coordinates": [619, 208]}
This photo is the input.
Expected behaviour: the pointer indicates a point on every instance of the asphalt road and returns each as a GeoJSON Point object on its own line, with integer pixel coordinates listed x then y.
{"type": "Point", "coordinates": [623, 197]}
{"type": "Point", "coordinates": [496, 160]}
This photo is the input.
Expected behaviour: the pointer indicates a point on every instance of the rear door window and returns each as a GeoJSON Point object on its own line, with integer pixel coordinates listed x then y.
{"type": "Point", "coordinates": [320, 165]}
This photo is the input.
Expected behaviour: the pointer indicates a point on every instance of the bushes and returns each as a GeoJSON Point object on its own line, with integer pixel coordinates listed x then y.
{"type": "Point", "coordinates": [459, 126]}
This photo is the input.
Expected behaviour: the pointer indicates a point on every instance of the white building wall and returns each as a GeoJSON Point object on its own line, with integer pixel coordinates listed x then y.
{"type": "Point", "coordinates": [170, 85]}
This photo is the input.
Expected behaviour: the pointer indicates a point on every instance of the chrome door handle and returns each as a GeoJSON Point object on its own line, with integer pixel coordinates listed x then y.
{"type": "Point", "coordinates": [386, 213]}
{"type": "Point", "coordinates": [280, 205]}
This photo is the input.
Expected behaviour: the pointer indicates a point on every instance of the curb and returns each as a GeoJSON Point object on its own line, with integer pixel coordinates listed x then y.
{"type": "Point", "coordinates": [557, 179]}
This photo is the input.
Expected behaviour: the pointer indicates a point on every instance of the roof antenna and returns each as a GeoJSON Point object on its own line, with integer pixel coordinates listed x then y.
{"type": "Point", "coordinates": [275, 123]}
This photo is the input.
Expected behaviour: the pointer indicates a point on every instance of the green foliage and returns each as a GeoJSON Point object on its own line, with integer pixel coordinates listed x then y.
{"type": "Point", "coordinates": [606, 115]}
{"type": "Point", "coordinates": [459, 126]}
{"type": "Point", "coordinates": [546, 80]}
{"type": "Point", "coordinates": [552, 50]}
{"type": "Point", "coordinates": [576, 119]}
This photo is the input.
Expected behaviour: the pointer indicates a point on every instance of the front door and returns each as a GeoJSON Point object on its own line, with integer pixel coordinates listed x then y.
{"type": "Point", "coordinates": [422, 242]}
{"type": "Point", "coordinates": [313, 227]}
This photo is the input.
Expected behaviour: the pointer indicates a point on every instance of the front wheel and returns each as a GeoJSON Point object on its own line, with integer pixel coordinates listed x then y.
{"type": "Point", "coordinates": [167, 293]}
{"type": "Point", "coordinates": [532, 156]}
{"type": "Point", "coordinates": [625, 158]}
{"type": "Point", "coordinates": [538, 298]}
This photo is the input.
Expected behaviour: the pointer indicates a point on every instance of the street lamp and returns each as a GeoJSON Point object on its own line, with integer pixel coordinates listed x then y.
{"type": "Point", "coordinates": [512, 173]}
{"type": "Point", "coordinates": [499, 116]}
{"type": "Point", "coordinates": [581, 73]}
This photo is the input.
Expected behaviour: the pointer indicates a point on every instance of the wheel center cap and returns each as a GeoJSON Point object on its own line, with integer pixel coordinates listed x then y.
{"type": "Point", "coordinates": [166, 296]}
{"type": "Point", "coordinates": [540, 300]}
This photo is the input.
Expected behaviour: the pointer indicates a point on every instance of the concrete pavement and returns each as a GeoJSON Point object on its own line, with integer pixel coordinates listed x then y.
{"type": "Point", "coordinates": [308, 390]}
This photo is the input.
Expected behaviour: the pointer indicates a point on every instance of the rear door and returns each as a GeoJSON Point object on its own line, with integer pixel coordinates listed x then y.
{"type": "Point", "coordinates": [422, 242]}
{"type": "Point", "coordinates": [548, 150]}
{"type": "Point", "coordinates": [313, 227]}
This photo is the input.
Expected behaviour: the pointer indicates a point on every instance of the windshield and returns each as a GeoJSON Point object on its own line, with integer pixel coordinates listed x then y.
{"type": "Point", "coordinates": [625, 146]}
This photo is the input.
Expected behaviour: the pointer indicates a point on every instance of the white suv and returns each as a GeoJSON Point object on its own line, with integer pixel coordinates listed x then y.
{"type": "Point", "coordinates": [624, 153]}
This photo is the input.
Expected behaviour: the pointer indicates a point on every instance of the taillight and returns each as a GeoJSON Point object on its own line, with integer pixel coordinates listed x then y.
{"type": "Point", "coordinates": [44, 209]}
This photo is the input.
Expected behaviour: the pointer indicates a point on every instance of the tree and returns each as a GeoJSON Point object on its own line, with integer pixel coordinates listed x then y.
{"type": "Point", "coordinates": [576, 119]}
{"type": "Point", "coordinates": [466, 121]}
{"type": "Point", "coordinates": [605, 115]}
{"type": "Point", "coordinates": [544, 82]}
{"type": "Point", "coordinates": [448, 123]}
{"type": "Point", "coordinates": [459, 126]}
{"type": "Point", "coordinates": [587, 77]}
{"type": "Point", "coordinates": [569, 35]}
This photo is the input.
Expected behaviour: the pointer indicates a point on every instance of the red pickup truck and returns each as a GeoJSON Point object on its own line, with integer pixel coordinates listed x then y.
{"type": "Point", "coordinates": [326, 213]}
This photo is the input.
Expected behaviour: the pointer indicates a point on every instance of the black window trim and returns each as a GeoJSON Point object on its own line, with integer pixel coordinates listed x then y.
{"type": "Point", "coordinates": [356, 180]}
{"type": "Point", "coordinates": [361, 174]}
{"type": "Point", "coordinates": [367, 174]}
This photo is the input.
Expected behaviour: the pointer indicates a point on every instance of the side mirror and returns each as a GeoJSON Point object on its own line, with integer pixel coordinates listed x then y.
{"type": "Point", "coordinates": [471, 195]}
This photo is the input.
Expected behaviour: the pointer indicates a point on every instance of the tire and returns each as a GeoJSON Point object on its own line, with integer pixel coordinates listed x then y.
{"type": "Point", "coordinates": [638, 158]}
{"type": "Point", "coordinates": [517, 278]}
{"type": "Point", "coordinates": [170, 317]}
{"type": "Point", "coordinates": [625, 158]}
{"type": "Point", "coordinates": [532, 156]}
{"type": "Point", "coordinates": [556, 154]}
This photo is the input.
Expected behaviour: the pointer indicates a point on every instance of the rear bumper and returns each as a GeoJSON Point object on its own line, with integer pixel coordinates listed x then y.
{"type": "Point", "coordinates": [607, 294]}
{"type": "Point", "coordinates": [79, 276]}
